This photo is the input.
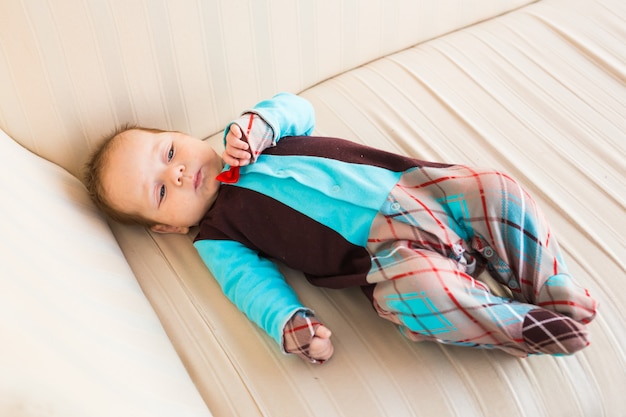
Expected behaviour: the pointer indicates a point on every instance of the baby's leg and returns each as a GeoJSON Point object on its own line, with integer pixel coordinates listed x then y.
{"type": "Point", "coordinates": [501, 221]}
{"type": "Point", "coordinates": [426, 294]}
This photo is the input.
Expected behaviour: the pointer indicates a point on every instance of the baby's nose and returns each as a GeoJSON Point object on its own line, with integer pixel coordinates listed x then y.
{"type": "Point", "coordinates": [178, 174]}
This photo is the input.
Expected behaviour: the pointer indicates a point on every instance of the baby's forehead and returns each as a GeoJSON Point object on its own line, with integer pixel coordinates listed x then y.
{"type": "Point", "coordinates": [134, 140]}
{"type": "Point", "coordinates": [129, 158]}
{"type": "Point", "coordinates": [127, 146]}
{"type": "Point", "coordinates": [138, 134]}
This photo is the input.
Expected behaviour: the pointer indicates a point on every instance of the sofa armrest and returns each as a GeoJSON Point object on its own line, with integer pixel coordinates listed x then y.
{"type": "Point", "coordinates": [79, 338]}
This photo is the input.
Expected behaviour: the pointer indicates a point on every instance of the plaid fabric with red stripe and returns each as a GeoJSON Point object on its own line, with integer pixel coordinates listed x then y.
{"type": "Point", "coordinates": [434, 222]}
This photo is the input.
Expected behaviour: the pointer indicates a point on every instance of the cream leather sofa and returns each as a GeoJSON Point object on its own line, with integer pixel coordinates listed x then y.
{"type": "Point", "coordinates": [97, 319]}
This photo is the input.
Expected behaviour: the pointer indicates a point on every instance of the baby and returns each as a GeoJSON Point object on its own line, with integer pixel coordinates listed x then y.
{"type": "Point", "coordinates": [412, 234]}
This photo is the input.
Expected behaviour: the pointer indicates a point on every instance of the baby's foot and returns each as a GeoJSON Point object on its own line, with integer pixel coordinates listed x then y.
{"type": "Point", "coordinates": [545, 331]}
{"type": "Point", "coordinates": [561, 294]}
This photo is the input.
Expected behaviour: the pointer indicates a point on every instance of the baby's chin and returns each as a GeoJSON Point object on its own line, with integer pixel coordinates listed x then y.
{"type": "Point", "coordinates": [197, 219]}
{"type": "Point", "coordinates": [212, 188]}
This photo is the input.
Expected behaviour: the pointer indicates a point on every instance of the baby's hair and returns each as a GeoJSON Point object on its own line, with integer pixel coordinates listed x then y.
{"type": "Point", "coordinates": [94, 171]}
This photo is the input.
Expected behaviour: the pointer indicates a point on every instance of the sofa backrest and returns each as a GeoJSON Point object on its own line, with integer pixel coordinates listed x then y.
{"type": "Point", "coordinates": [73, 70]}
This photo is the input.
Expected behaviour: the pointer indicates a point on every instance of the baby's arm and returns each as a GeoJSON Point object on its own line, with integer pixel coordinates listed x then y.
{"type": "Point", "coordinates": [287, 114]}
{"type": "Point", "coordinates": [262, 126]}
{"type": "Point", "coordinates": [256, 286]}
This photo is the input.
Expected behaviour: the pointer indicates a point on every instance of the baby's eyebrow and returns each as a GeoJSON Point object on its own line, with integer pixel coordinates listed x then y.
{"type": "Point", "coordinates": [152, 184]}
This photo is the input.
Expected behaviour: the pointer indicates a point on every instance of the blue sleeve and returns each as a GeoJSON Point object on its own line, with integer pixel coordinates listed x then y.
{"type": "Point", "coordinates": [253, 283]}
{"type": "Point", "coordinates": [287, 114]}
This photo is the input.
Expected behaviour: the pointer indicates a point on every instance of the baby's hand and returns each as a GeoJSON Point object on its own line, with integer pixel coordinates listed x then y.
{"type": "Point", "coordinates": [321, 347]}
{"type": "Point", "coordinates": [237, 149]}
{"type": "Point", "coordinates": [306, 337]}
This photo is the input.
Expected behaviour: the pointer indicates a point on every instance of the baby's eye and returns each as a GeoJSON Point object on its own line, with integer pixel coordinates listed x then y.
{"type": "Point", "coordinates": [170, 154]}
{"type": "Point", "coordinates": [161, 193]}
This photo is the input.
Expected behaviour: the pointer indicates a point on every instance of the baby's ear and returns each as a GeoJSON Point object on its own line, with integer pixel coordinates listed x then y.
{"type": "Point", "coordinates": [164, 228]}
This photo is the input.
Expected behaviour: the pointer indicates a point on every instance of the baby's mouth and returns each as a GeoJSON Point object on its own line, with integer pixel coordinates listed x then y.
{"type": "Point", "coordinates": [197, 180]}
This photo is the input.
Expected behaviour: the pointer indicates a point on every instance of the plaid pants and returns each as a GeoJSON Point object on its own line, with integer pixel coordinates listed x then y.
{"type": "Point", "coordinates": [424, 244]}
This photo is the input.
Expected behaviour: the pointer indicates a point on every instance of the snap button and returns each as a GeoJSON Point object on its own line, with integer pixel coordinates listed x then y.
{"type": "Point", "coordinates": [335, 188]}
{"type": "Point", "coordinates": [395, 206]}
{"type": "Point", "coordinates": [488, 252]}
{"type": "Point", "coordinates": [513, 284]}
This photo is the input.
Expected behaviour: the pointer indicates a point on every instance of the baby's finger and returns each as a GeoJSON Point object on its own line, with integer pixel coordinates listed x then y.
{"type": "Point", "coordinates": [238, 153]}
{"type": "Point", "coordinates": [229, 159]}
{"type": "Point", "coordinates": [321, 350]}
{"type": "Point", "coordinates": [323, 332]}
{"type": "Point", "coordinates": [235, 157]}
{"type": "Point", "coordinates": [234, 144]}
{"type": "Point", "coordinates": [235, 130]}
{"type": "Point", "coordinates": [240, 144]}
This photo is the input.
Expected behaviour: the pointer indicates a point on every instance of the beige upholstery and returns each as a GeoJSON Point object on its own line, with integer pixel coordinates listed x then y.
{"type": "Point", "coordinates": [79, 337]}
{"type": "Point", "coordinates": [102, 321]}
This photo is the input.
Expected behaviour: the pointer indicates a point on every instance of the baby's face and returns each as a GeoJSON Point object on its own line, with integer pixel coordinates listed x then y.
{"type": "Point", "coordinates": [166, 177]}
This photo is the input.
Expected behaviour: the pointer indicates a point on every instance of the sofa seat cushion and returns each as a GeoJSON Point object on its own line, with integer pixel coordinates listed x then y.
{"type": "Point", "coordinates": [534, 93]}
